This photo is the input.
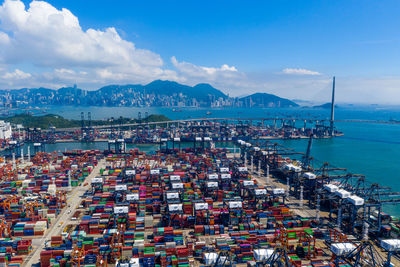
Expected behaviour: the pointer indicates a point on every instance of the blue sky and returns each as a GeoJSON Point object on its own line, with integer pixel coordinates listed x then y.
{"type": "Point", "coordinates": [291, 48]}
{"type": "Point", "coordinates": [337, 37]}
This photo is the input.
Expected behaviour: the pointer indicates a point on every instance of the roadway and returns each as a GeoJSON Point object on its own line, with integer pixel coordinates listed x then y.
{"type": "Point", "coordinates": [73, 200]}
{"type": "Point", "coordinates": [224, 119]}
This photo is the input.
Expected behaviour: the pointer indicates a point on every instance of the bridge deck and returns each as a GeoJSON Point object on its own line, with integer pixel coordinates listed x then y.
{"type": "Point", "coordinates": [223, 119]}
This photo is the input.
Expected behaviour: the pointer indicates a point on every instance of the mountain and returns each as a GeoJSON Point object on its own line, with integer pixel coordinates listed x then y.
{"type": "Point", "coordinates": [200, 91]}
{"type": "Point", "coordinates": [206, 89]}
{"type": "Point", "coordinates": [159, 87]}
{"type": "Point", "coordinates": [266, 100]}
{"type": "Point", "coordinates": [115, 89]}
{"type": "Point", "coordinates": [70, 91]}
{"type": "Point", "coordinates": [158, 93]}
{"type": "Point", "coordinates": [41, 91]}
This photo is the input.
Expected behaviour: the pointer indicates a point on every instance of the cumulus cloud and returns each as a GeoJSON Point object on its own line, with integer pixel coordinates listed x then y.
{"type": "Point", "coordinates": [16, 75]}
{"type": "Point", "coordinates": [209, 73]}
{"type": "Point", "coordinates": [299, 71]}
{"type": "Point", "coordinates": [4, 39]}
{"type": "Point", "coordinates": [64, 71]}
{"type": "Point", "coordinates": [50, 38]}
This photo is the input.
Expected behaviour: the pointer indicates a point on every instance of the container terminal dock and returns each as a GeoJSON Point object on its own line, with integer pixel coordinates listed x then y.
{"type": "Point", "coordinates": [194, 130]}
{"type": "Point", "coordinates": [199, 206]}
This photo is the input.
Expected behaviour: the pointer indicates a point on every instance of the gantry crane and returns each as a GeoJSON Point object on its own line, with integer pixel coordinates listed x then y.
{"type": "Point", "coordinates": [78, 256]}
{"type": "Point", "coordinates": [5, 231]}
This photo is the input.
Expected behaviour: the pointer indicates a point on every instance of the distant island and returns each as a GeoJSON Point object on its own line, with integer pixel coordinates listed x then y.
{"type": "Point", "coordinates": [155, 94]}
{"type": "Point", "coordinates": [51, 120]}
{"type": "Point", "coordinates": [325, 106]}
{"type": "Point", "coordinates": [267, 100]}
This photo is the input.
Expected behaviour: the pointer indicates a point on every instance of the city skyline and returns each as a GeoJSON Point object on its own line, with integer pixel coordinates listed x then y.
{"type": "Point", "coordinates": [291, 49]}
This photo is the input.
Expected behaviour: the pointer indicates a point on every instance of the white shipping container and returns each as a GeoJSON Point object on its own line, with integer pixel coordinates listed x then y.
{"type": "Point", "coordinates": [288, 166]}
{"type": "Point", "coordinates": [391, 244]}
{"type": "Point", "coordinates": [155, 171]}
{"type": "Point", "coordinates": [226, 176]}
{"type": "Point", "coordinates": [177, 186]}
{"type": "Point", "coordinates": [261, 192]}
{"type": "Point", "coordinates": [263, 254]}
{"type": "Point", "coordinates": [242, 169]}
{"type": "Point", "coordinates": [130, 172]}
{"type": "Point", "coordinates": [296, 169]}
{"type": "Point", "coordinates": [248, 183]}
{"type": "Point", "coordinates": [342, 248]}
{"type": "Point", "coordinates": [174, 178]}
{"type": "Point", "coordinates": [175, 207]}
{"type": "Point", "coordinates": [121, 187]}
{"type": "Point", "coordinates": [173, 195]}
{"type": "Point", "coordinates": [331, 188]}
{"type": "Point", "coordinates": [210, 258]}
{"type": "Point", "coordinates": [235, 204]}
{"type": "Point", "coordinates": [213, 176]}
{"type": "Point", "coordinates": [342, 193]}
{"type": "Point", "coordinates": [132, 197]}
{"type": "Point", "coordinates": [201, 206]}
{"type": "Point", "coordinates": [97, 180]}
{"type": "Point", "coordinates": [224, 169]}
{"type": "Point", "coordinates": [278, 191]}
{"type": "Point", "coordinates": [356, 200]}
{"type": "Point", "coordinates": [121, 210]}
{"type": "Point", "coordinates": [309, 175]}
{"type": "Point", "coordinates": [212, 184]}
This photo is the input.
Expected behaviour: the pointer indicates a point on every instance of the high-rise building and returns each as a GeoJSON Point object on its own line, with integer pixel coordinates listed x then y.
{"type": "Point", "coordinates": [5, 130]}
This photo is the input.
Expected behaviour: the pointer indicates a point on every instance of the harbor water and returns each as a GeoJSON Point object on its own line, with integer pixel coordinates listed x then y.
{"type": "Point", "coordinates": [372, 149]}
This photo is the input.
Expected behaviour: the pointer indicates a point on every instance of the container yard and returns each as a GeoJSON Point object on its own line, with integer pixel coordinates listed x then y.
{"type": "Point", "coordinates": [191, 207]}
{"type": "Point", "coordinates": [221, 169]}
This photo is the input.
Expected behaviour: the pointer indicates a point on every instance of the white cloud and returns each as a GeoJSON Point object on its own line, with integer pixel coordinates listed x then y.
{"type": "Point", "coordinates": [50, 38]}
{"type": "Point", "coordinates": [16, 75]}
{"type": "Point", "coordinates": [62, 71]}
{"type": "Point", "coordinates": [4, 39]}
{"type": "Point", "coordinates": [208, 73]}
{"type": "Point", "coordinates": [299, 71]}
